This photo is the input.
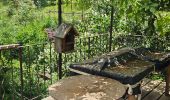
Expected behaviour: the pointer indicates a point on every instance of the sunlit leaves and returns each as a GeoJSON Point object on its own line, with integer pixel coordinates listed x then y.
{"type": "Point", "coordinates": [163, 23]}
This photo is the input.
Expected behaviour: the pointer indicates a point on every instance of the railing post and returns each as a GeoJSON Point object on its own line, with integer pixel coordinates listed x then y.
{"type": "Point", "coordinates": [89, 47]}
{"type": "Point", "coordinates": [60, 66]}
{"type": "Point", "coordinates": [21, 71]}
{"type": "Point", "coordinates": [82, 15]}
{"type": "Point", "coordinates": [111, 29]}
{"type": "Point", "coordinates": [60, 54]}
{"type": "Point", "coordinates": [30, 75]}
{"type": "Point", "coordinates": [59, 12]}
{"type": "Point", "coordinates": [1, 85]}
{"type": "Point", "coordinates": [50, 63]}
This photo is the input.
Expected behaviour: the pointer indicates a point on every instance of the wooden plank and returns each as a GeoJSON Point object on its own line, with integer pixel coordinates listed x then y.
{"type": "Point", "coordinates": [149, 87]}
{"type": "Point", "coordinates": [145, 81]}
{"type": "Point", "coordinates": [163, 97]}
{"type": "Point", "coordinates": [156, 93]}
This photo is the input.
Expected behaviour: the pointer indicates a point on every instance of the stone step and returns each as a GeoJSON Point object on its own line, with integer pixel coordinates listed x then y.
{"type": "Point", "coordinates": [48, 98]}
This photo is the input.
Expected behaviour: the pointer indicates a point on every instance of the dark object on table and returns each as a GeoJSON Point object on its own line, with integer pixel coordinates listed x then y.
{"type": "Point", "coordinates": [161, 59]}
{"type": "Point", "coordinates": [121, 65]}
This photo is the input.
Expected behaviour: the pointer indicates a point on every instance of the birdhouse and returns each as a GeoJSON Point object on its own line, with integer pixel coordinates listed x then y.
{"type": "Point", "coordinates": [64, 38]}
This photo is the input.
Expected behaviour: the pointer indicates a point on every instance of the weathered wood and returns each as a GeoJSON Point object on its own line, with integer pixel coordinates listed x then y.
{"type": "Point", "coordinates": [167, 79]}
{"type": "Point", "coordinates": [152, 90]}
{"type": "Point", "coordinates": [145, 81]}
{"type": "Point", "coordinates": [163, 97]}
{"type": "Point", "coordinates": [149, 87]}
{"type": "Point", "coordinates": [87, 87]}
{"type": "Point", "coordinates": [155, 93]}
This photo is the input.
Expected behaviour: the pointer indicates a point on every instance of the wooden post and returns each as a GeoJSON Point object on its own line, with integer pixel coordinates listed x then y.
{"type": "Point", "coordinates": [60, 54]}
{"type": "Point", "coordinates": [167, 79]}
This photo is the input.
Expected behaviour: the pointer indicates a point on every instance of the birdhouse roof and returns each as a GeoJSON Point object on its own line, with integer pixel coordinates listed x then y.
{"type": "Point", "coordinates": [64, 29]}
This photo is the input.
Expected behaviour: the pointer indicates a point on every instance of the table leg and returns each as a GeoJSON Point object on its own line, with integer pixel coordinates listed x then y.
{"type": "Point", "coordinates": [131, 97]}
{"type": "Point", "coordinates": [136, 90]}
{"type": "Point", "coordinates": [167, 79]}
{"type": "Point", "coordinates": [139, 96]}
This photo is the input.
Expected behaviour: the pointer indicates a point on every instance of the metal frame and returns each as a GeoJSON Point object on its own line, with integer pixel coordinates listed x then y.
{"type": "Point", "coordinates": [19, 47]}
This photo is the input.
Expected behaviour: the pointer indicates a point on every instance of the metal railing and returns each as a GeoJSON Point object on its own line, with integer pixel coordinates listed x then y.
{"type": "Point", "coordinates": [28, 76]}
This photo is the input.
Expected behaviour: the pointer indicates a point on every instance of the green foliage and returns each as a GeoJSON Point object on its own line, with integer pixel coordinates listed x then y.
{"type": "Point", "coordinates": [80, 4]}
{"type": "Point", "coordinates": [163, 22]}
{"type": "Point", "coordinates": [141, 17]}
{"type": "Point", "coordinates": [89, 28]}
{"type": "Point", "coordinates": [25, 24]}
{"type": "Point", "coordinates": [156, 76]}
{"type": "Point", "coordinates": [130, 17]}
{"type": "Point", "coordinates": [24, 21]}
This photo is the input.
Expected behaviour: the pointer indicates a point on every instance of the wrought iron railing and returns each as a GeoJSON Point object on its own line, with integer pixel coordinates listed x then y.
{"type": "Point", "coordinates": [30, 77]}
